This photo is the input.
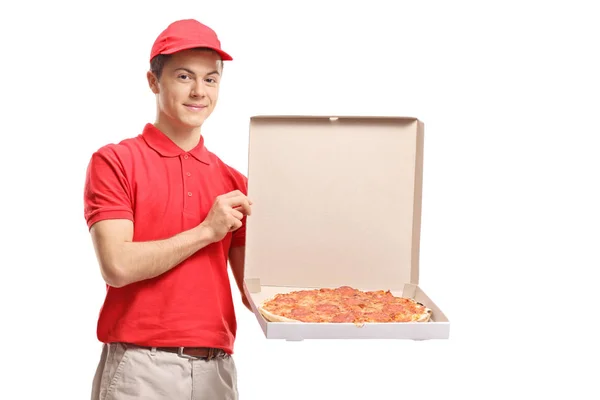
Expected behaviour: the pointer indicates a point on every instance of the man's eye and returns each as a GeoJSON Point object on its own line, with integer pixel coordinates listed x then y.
{"type": "Point", "coordinates": [184, 76]}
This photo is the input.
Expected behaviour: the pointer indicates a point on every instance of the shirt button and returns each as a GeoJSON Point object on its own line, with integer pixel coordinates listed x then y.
{"type": "Point", "coordinates": [186, 156]}
{"type": "Point", "coordinates": [188, 174]}
{"type": "Point", "coordinates": [190, 194]}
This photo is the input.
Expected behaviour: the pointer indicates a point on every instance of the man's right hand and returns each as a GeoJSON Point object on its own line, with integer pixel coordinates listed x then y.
{"type": "Point", "coordinates": [124, 261]}
{"type": "Point", "coordinates": [226, 214]}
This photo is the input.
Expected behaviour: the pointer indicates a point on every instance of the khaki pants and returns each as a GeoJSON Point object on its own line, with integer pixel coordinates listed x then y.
{"type": "Point", "coordinates": [128, 372]}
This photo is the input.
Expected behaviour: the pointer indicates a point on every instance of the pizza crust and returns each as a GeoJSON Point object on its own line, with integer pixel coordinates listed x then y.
{"type": "Point", "coordinates": [425, 317]}
{"type": "Point", "coordinates": [274, 318]}
{"type": "Point", "coordinates": [269, 316]}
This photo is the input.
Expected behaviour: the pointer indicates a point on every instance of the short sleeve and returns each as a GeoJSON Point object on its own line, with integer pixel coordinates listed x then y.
{"type": "Point", "coordinates": [107, 191]}
{"type": "Point", "coordinates": [238, 237]}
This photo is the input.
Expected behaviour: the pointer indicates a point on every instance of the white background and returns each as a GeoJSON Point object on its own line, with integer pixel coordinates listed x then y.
{"type": "Point", "coordinates": [510, 97]}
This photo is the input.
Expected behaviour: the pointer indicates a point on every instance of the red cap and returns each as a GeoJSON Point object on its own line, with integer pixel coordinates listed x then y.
{"type": "Point", "coordinates": [187, 34]}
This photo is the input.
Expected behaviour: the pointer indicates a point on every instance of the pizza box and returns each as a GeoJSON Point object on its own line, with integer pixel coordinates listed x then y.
{"type": "Point", "coordinates": [336, 202]}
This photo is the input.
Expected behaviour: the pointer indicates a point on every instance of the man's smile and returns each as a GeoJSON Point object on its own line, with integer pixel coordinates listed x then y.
{"type": "Point", "coordinates": [195, 107]}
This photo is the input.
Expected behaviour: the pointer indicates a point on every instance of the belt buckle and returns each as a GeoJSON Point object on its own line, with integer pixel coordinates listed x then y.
{"type": "Point", "coordinates": [180, 354]}
{"type": "Point", "coordinates": [211, 354]}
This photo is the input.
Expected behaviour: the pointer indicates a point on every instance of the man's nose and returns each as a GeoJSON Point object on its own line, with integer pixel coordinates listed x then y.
{"type": "Point", "coordinates": [198, 90]}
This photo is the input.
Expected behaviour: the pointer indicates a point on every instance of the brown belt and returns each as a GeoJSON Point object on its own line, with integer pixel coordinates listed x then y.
{"type": "Point", "coordinates": [207, 353]}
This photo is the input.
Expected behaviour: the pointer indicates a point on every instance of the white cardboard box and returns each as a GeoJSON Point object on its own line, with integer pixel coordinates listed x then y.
{"type": "Point", "coordinates": [337, 201]}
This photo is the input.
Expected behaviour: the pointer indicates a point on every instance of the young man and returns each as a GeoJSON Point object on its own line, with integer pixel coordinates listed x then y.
{"type": "Point", "coordinates": [165, 216]}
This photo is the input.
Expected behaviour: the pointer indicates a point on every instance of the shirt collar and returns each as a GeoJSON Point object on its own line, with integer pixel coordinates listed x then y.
{"type": "Point", "coordinates": [164, 146]}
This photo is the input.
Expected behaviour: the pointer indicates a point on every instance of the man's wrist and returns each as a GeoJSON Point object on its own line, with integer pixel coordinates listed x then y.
{"type": "Point", "coordinates": [205, 234]}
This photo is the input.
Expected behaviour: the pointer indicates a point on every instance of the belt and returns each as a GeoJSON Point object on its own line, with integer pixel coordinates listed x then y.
{"type": "Point", "coordinates": [207, 353]}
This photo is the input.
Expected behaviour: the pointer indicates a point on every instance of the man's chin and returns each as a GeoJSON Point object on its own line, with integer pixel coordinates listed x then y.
{"type": "Point", "coordinates": [192, 123]}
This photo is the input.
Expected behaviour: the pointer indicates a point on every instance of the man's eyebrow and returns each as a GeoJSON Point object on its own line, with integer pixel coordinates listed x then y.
{"type": "Point", "coordinates": [193, 73]}
{"type": "Point", "coordinates": [186, 70]}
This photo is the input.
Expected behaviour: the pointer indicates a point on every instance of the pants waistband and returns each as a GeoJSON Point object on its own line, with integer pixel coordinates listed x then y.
{"type": "Point", "coordinates": [207, 353]}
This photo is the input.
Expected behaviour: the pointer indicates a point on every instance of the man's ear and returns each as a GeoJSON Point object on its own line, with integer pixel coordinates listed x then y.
{"type": "Point", "coordinates": [152, 82]}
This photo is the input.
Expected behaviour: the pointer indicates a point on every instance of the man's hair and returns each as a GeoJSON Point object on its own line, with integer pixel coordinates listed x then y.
{"type": "Point", "coordinates": [157, 64]}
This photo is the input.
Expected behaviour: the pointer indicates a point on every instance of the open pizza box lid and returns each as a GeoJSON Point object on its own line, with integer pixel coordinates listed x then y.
{"type": "Point", "coordinates": [336, 202]}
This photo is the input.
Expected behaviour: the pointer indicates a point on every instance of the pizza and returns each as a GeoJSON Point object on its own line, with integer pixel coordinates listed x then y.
{"type": "Point", "coordinates": [343, 304]}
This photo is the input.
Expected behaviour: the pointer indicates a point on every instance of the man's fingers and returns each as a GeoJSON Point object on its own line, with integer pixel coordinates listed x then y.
{"type": "Point", "coordinates": [236, 224]}
{"type": "Point", "coordinates": [244, 208]}
{"type": "Point", "coordinates": [240, 202]}
{"type": "Point", "coordinates": [237, 214]}
{"type": "Point", "coordinates": [235, 201]}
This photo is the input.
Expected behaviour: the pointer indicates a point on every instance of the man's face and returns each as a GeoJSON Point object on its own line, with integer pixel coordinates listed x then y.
{"type": "Point", "coordinates": [188, 88]}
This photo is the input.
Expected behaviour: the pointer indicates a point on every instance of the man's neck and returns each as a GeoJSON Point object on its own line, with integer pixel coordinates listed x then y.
{"type": "Point", "coordinates": [184, 138]}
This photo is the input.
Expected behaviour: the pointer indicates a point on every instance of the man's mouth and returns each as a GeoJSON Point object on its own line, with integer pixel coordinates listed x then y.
{"type": "Point", "coordinates": [195, 107]}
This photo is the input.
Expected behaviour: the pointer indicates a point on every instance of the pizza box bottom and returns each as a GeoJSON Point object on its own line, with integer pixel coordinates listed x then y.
{"type": "Point", "coordinates": [437, 328]}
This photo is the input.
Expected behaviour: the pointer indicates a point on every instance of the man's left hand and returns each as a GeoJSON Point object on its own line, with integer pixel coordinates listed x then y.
{"type": "Point", "coordinates": [246, 302]}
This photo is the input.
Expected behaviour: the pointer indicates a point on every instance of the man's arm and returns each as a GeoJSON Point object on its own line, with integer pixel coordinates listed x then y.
{"type": "Point", "coordinates": [236, 261]}
{"type": "Point", "coordinates": [123, 261]}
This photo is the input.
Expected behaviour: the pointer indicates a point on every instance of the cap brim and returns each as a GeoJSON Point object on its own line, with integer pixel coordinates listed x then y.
{"type": "Point", "coordinates": [224, 56]}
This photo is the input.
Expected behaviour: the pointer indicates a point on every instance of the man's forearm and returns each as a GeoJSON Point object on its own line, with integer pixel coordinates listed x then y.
{"type": "Point", "coordinates": [138, 261]}
{"type": "Point", "coordinates": [237, 263]}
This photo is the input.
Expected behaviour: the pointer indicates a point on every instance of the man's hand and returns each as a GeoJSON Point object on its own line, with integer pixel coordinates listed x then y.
{"type": "Point", "coordinates": [226, 214]}
{"type": "Point", "coordinates": [246, 302]}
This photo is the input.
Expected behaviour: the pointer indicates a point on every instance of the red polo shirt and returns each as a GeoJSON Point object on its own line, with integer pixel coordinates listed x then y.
{"type": "Point", "coordinates": [164, 191]}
